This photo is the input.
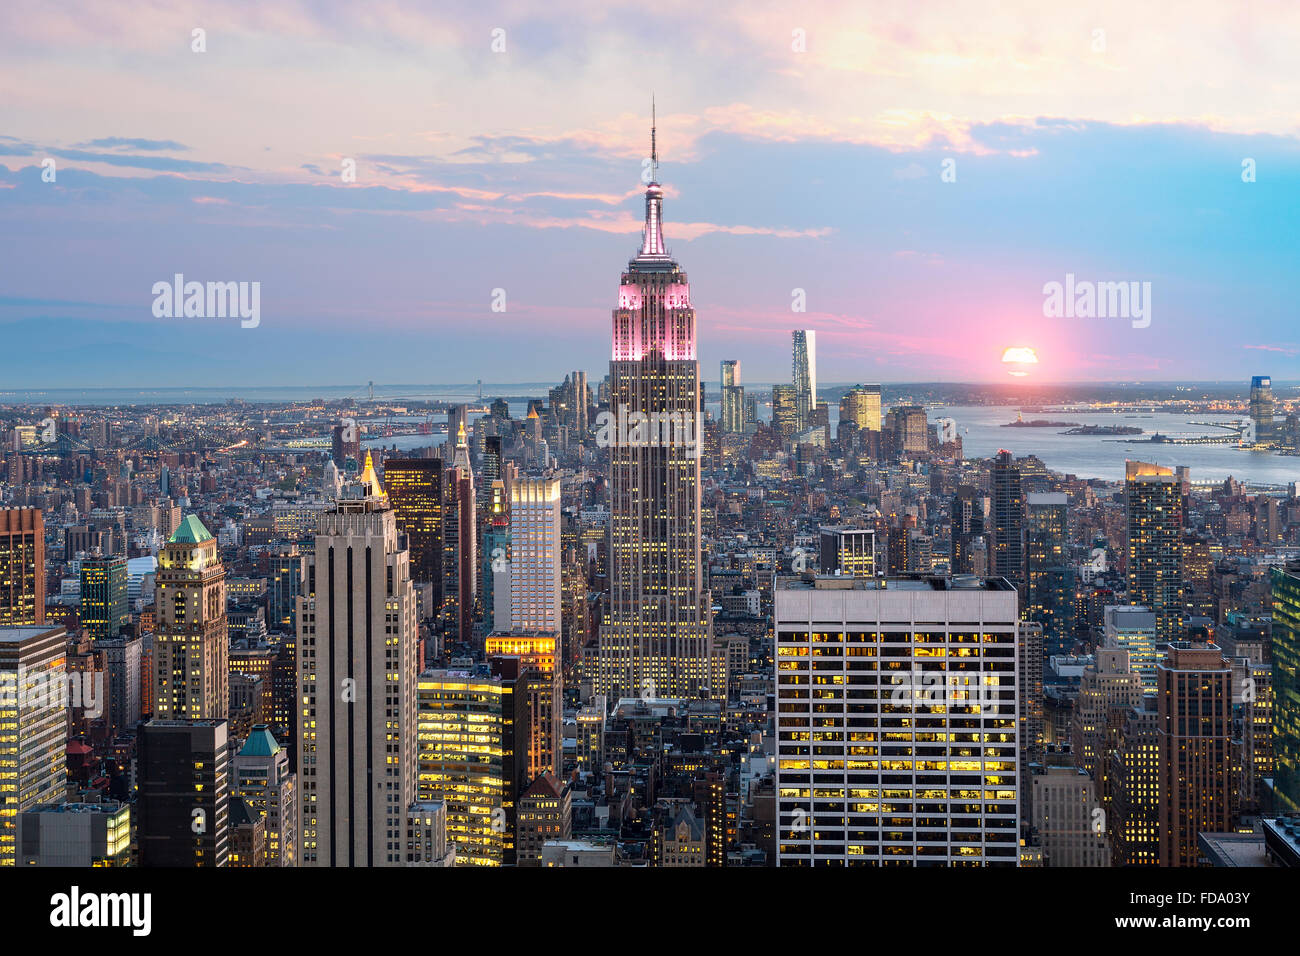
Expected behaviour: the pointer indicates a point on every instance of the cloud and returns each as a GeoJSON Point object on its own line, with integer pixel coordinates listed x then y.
{"type": "Point", "coordinates": [120, 142]}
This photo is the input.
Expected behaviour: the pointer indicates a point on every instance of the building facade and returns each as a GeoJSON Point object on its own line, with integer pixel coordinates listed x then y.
{"type": "Point", "coordinates": [896, 724]}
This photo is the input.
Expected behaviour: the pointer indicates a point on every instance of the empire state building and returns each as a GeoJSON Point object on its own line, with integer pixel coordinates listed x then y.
{"type": "Point", "coordinates": [656, 639]}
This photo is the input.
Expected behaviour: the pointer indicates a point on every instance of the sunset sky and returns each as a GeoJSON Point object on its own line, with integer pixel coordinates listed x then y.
{"type": "Point", "coordinates": [1108, 144]}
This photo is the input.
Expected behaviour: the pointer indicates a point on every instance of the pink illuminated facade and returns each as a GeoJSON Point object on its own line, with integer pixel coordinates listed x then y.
{"type": "Point", "coordinates": [656, 640]}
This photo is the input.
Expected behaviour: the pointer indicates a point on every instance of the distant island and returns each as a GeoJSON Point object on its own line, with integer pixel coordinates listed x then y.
{"type": "Point", "coordinates": [1105, 430]}
{"type": "Point", "coordinates": [1038, 423]}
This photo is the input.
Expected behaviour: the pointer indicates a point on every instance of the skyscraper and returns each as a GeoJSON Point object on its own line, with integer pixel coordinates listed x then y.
{"type": "Point", "coordinates": [184, 804]}
{"type": "Point", "coordinates": [733, 398]}
{"type": "Point", "coordinates": [656, 640]}
{"type": "Point", "coordinates": [415, 489]}
{"type": "Point", "coordinates": [848, 551]}
{"type": "Point", "coordinates": [191, 649]}
{"type": "Point", "coordinates": [33, 725]}
{"type": "Point", "coordinates": [104, 607]}
{"type": "Point", "coordinates": [882, 761]}
{"type": "Point", "coordinates": [535, 593]}
{"type": "Point", "coordinates": [1286, 686]}
{"type": "Point", "coordinates": [861, 405]}
{"type": "Point", "coordinates": [1261, 407]}
{"type": "Point", "coordinates": [261, 776]}
{"type": "Point", "coordinates": [496, 556]}
{"type": "Point", "coordinates": [473, 741]}
{"type": "Point", "coordinates": [1049, 577]}
{"type": "Point", "coordinates": [357, 663]}
{"type": "Point", "coordinates": [805, 375]}
{"type": "Point", "coordinates": [22, 566]}
{"type": "Point", "coordinates": [1007, 538]}
{"type": "Point", "coordinates": [967, 531]}
{"type": "Point", "coordinates": [910, 428]}
{"type": "Point", "coordinates": [1154, 508]}
{"type": "Point", "coordinates": [1195, 738]}
{"type": "Point", "coordinates": [785, 411]}
{"type": "Point", "coordinates": [1065, 818]}
{"type": "Point", "coordinates": [460, 542]}
{"type": "Point", "coordinates": [1108, 685]}
{"type": "Point", "coordinates": [1134, 629]}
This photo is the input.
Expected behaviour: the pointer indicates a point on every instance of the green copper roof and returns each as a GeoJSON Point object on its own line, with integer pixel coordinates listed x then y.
{"type": "Point", "coordinates": [191, 531]}
{"type": "Point", "coordinates": [260, 743]}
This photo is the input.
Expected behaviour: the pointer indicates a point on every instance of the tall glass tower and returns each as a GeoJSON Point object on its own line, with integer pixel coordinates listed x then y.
{"type": "Point", "coordinates": [655, 641]}
{"type": "Point", "coordinates": [805, 375]}
{"type": "Point", "coordinates": [1154, 509]}
{"type": "Point", "coordinates": [1286, 686]}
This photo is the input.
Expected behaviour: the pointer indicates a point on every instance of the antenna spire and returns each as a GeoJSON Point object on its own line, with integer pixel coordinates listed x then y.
{"type": "Point", "coordinates": [654, 149]}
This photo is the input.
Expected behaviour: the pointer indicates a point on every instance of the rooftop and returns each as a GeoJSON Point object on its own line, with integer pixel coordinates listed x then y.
{"type": "Point", "coordinates": [191, 531]}
{"type": "Point", "coordinates": [16, 635]}
{"type": "Point", "coordinates": [911, 582]}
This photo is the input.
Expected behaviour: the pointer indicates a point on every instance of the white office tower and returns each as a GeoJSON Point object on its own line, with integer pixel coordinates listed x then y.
{"type": "Point", "coordinates": [34, 696]}
{"type": "Point", "coordinates": [897, 705]}
{"type": "Point", "coordinates": [357, 668]}
{"type": "Point", "coordinates": [535, 555]}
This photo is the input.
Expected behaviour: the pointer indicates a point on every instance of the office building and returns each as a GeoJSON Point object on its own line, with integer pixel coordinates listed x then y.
{"type": "Point", "coordinates": [357, 664]}
{"type": "Point", "coordinates": [848, 551]}
{"type": "Point", "coordinates": [733, 398]}
{"type": "Point", "coordinates": [1108, 689]}
{"type": "Point", "coordinates": [1069, 818]}
{"type": "Point", "coordinates": [535, 592]}
{"type": "Point", "coordinates": [545, 815]}
{"type": "Point", "coordinates": [1153, 500]}
{"type": "Point", "coordinates": [1134, 629]}
{"type": "Point", "coordinates": [184, 796]}
{"type": "Point", "coordinates": [1007, 532]}
{"type": "Point", "coordinates": [284, 586]}
{"type": "Point", "coordinates": [124, 661]}
{"type": "Point", "coordinates": [1194, 693]}
{"type": "Point", "coordinates": [1261, 408]}
{"type": "Point", "coordinates": [426, 835]}
{"type": "Point", "coordinates": [75, 835]}
{"type": "Point", "coordinates": [910, 428]}
{"type": "Point", "coordinates": [656, 636]}
{"type": "Point", "coordinates": [22, 567]}
{"type": "Point", "coordinates": [262, 778]}
{"type": "Point", "coordinates": [897, 722]}
{"type": "Point", "coordinates": [34, 701]}
{"type": "Point", "coordinates": [1135, 781]}
{"type": "Point", "coordinates": [415, 490]}
{"type": "Point", "coordinates": [1031, 714]}
{"type": "Point", "coordinates": [1285, 583]}
{"type": "Point", "coordinates": [104, 606]}
{"type": "Point", "coordinates": [1049, 577]}
{"type": "Point", "coordinates": [460, 543]}
{"type": "Point", "coordinates": [473, 740]}
{"type": "Point", "coordinates": [191, 649]}
{"type": "Point", "coordinates": [785, 411]}
{"type": "Point", "coordinates": [862, 406]}
{"type": "Point", "coordinates": [541, 684]}
{"type": "Point", "coordinates": [805, 375]}
{"type": "Point", "coordinates": [968, 549]}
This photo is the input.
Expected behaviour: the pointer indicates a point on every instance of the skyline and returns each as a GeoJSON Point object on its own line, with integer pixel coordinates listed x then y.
{"type": "Point", "coordinates": [802, 172]}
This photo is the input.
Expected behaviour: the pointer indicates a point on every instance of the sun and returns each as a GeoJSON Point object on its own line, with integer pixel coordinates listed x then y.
{"type": "Point", "coordinates": [1019, 359]}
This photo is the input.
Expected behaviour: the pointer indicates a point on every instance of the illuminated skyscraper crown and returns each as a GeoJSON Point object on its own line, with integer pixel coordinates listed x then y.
{"type": "Point", "coordinates": [654, 311]}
